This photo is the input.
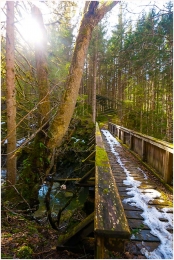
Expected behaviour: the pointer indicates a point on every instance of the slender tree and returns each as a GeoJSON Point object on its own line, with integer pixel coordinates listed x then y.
{"type": "Point", "coordinates": [11, 95]}
{"type": "Point", "coordinates": [94, 78]}
{"type": "Point", "coordinates": [42, 69]}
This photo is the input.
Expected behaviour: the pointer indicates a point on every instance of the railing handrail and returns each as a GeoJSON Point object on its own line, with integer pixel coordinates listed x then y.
{"type": "Point", "coordinates": [161, 144]}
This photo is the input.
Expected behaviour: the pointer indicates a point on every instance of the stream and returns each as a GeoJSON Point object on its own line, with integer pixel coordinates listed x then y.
{"type": "Point", "coordinates": [59, 196]}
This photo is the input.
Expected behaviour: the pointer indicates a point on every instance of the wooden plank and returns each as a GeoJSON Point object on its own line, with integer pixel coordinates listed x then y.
{"type": "Point", "coordinates": [123, 185]}
{"type": "Point", "coordinates": [138, 175]}
{"type": "Point", "coordinates": [87, 175]}
{"type": "Point", "coordinates": [84, 228]}
{"type": "Point", "coordinates": [119, 178]}
{"type": "Point", "coordinates": [127, 206]}
{"type": "Point", "coordinates": [137, 224]}
{"type": "Point", "coordinates": [144, 235]}
{"type": "Point", "coordinates": [86, 184]}
{"type": "Point", "coordinates": [147, 186]}
{"type": "Point", "coordinates": [121, 188]}
{"type": "Point", "coordinates": [134, 214]}
{"type": "Point", "coordinates": [150, 246]}
{"type": "Point", "coordinates": [71, 179]}
{"type": "Point", "coordinates": [160, 207]}
{"type": "Point", "coordinates": [159, 202]}
{"type": "Point", "coordinates": [92, 155]}
{"type": "Point", "coordinates": [118, 173]}
{"type": "Point", "coordinates": [124, 194]}
{"type": "Point", "coordinates": [147, 191]}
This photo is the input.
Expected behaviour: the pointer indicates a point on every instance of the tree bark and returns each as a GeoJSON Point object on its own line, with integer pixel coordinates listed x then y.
{"type": "Point", "coordinates": [42, 69]}
{"type": "Point", "coordinates": [64, 114]}
{"type": "Point", "coordinates": [94, 80]}
{"type": "Point", "coordinates": [11, 95]}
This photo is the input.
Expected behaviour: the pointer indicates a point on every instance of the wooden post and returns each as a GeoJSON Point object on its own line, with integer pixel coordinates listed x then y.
{"type": "Point", "coordinates": [168, 167]}
{"type": "Point", "coordinates": [123, 137]}
{"type": "Point", "coordinates": [118, 133]}
{"type": "Point", "coordinates": [109, 126]}
{"type": "Point", "coordinates": [143, 150]}
{"type": "Point", "coordinates": [100, 249]}
{"type": "Point", "coordinates": [115, 131]}
{"type": "Point", "coordinates": [131, 142]}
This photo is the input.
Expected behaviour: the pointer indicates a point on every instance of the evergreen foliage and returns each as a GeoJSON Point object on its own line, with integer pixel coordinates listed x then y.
{"type": "Point", "coordinates": [132, 70]}
{"type": "Point", "coordinates": [134, 73]}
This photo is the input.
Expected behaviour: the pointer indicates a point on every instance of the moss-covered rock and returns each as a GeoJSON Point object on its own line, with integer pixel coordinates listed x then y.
{"type": "Point", "coordinates": [24, 252]}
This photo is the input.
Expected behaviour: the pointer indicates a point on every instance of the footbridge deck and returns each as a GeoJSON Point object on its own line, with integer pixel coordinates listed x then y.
{"type": "Point", "coordinates": [146, 202]}
{"type": "Point", "coordinates": [133, 208]}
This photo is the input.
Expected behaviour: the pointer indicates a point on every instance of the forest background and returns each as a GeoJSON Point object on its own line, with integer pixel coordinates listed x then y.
{"type": "Point", "coordinates": [127, 75]}
{"type": "Point", "coordinates": [126, 78]}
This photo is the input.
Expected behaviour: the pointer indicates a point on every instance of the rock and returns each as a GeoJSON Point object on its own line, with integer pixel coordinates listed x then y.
{"type": "Point", "coordinates": [56, 185]}
{"type": "Point", "coordinates": [63, 187]}
{"type": "Point", "coordinates": [68, 194]}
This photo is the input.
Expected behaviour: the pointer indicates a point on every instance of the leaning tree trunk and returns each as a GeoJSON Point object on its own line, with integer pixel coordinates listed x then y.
{"type": "Point", "coordinates": [64, 114]}
{"type": "Point", "coordinates": [43, 159]}
{"type": "Point", "coordinates": [11, 97]}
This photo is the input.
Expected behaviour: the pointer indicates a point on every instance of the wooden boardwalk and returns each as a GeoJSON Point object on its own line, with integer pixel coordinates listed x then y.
{"type": "Point", "coordinates": [126, 169]}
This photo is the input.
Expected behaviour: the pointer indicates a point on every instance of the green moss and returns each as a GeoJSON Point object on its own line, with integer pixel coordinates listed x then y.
{"type": "Point", "coordinates": [32, 229]}
{"type": "Point", "coordinates": [164, 197]}
{"type": "Point", "coordinates": [105, 191]}
{"type": "Point", "coordinates": [101, 157]}
{"type": "Point", "coordinates": [24, 252]}
{"type": "Point", "coordinates": [15, 230]}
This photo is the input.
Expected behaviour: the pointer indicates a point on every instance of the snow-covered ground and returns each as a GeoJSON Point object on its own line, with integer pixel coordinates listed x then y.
{"type": "Point", "coordinates": [150, 214]}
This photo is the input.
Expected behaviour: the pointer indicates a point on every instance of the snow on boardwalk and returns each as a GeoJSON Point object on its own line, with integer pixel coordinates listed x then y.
{"type": "Point", "coordinates": [149, 215]}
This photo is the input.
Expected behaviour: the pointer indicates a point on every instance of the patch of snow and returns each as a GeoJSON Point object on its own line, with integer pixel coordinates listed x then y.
{"type": "Point", "coordinates": [145, 176]}
{"type": "Point", "coordinates": [3, 172]}
{"type": "Point", "coordinates": [19, 142]}
{"type": "Point", "coordinates": [77, 140]}
{"type": "Point", "coordinates": [150, 214]}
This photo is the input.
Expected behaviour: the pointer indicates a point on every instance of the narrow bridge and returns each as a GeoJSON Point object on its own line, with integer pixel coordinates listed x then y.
{"type": "Point", "coordinates": [133, 208]}
{"type": "Point", "coordinates": [147, 204]}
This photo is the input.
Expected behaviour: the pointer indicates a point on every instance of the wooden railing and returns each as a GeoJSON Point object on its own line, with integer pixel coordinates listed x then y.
{"type": "Point", "coordinates": [153, 152]}
{"type": "Point", "coordinates": [111, 228]}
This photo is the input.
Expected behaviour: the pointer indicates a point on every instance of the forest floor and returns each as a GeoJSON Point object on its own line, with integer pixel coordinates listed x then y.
{"type": "Point", "coordinates": [25, 239]}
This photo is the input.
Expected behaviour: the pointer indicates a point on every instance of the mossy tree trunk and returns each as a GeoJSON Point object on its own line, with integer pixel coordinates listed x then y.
{"type": "Point", "coordinates": [92, 15]}
{"type": "Point", "coordinates": [51, 138]}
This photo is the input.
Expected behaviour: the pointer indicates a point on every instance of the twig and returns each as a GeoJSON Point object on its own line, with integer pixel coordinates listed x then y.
{"type": "Point", "coordinates": [39, 253]}
{"type": "Point", "coordinates": [66, 205]}
{"type": "Point", "coordinates": [20, 195]}
{"type": "Point", "coordinates": [47, 204]}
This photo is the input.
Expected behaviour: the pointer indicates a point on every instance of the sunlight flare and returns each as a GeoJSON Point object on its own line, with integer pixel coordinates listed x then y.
{"type": "Point", "coordinates": [31, 30]}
